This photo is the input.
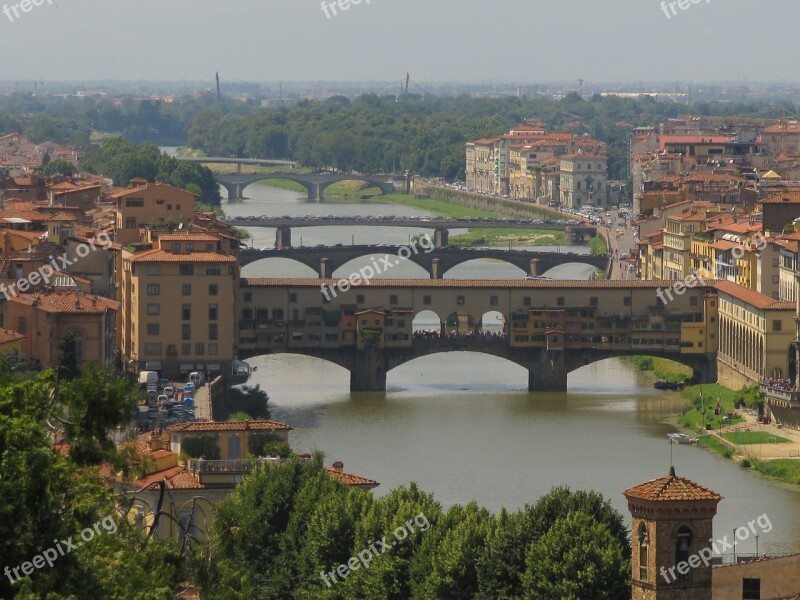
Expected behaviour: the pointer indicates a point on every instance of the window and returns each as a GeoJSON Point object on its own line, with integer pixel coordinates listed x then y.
{"type": "Point", "coordinates": [644, 547]}
{"type": "Point", "coordinates": [493, 300]}
{"type": "Point", "coordinates": [277, 314]}
{"type": "Point", "coordinates": [186, 331]}
{"type": "Point", "coordinates": [212, 331]}
{"type": "Point", "coordinates": [776, 325]}
{"type": "Point", "coordinates": [176, 247]}
{"type": "Point", "coordinates": [153, 329]}
{"type": "Point", "coordinates": [248, 296]}
{"type": "Point", "coordinates": [152, 349]}
{"type": "Point", "coordinates": [247, 314]}
{"type": "Point", "coordinates": [393, 299]}
{"type": "Point", "coordinates": [427, 301]}
{"type": "Point", "coordinates": [593, 301]}
{"type": "Point", "coordinates": [359, 298]}
{"type": "Point", "coordinates": [186, 269]}
{"type": "Point", "coordinates": [186, 289]}
{"type": "Point", "coordinates": [693, 301]}
{"type": "Point", "coordinates": [130, 222]}
{"type": "Point", "coordinates": [213, 271]}
{"type": "Point", "coordinates": [22, 325]}
{"type": "Point", "coordinates": [213, 289]}
{"type": "Point", "coordinates": [526, 301]}
{"type": "Point", "coordinates": [199, 349]}
{"type": "Point", "coordinates": [213, 313]}
{"type": "Point", "coordinates": [134, 203]}
{"type": "Point", "coordinates": [293, 298]}
{"type": "Point", "coordinates": [186, 312]}
{"type": "Point", "coordinates": [626, 301]}
{"type": "Point", "coordinates": [153, 289]}
{"type": "Point", "coordinates": [460, 300]}
{"type": "Point", "coordinates": [153, 309]}
{"type": "Point", "coordinates": [751, 589]}
{"type": "Point", "coordinates": [560, 301]}
{"type": "Point", "coordinates": [186, 349]}
{"type": "Point", "coordinates": [213, 349]}
{"type": "Point", "coordinates": [683, 546]}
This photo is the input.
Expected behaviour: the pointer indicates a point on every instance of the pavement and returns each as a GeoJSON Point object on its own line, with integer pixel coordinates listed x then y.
{"type": "Point", "coordinates": [625, 243]}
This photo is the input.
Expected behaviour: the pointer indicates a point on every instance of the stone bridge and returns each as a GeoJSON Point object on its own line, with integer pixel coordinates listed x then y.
{"type": "Point", "coordinates": [316, 184]}
{"type": "Point", "coordinates": [436, 261]}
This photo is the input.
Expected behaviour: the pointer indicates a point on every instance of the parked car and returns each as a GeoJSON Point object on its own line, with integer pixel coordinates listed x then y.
{"type": "Point", "coordinates": [169, 391]}
{"type": "Point", "coordinates": [188, 388]}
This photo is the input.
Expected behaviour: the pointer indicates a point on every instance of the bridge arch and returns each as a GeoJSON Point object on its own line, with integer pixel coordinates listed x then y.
{"type": "Point", "coordinates": [427, 323]}
{"type": "Point", "coordinates": [502, 268]}
{"type": "Point", "coordinates": [280, 267]}
{"type": "Point", "coordinates": [381, 265]}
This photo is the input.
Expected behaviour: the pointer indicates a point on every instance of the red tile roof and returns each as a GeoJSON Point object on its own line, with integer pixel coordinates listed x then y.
{"type": "Point", "coordinates": [188, 237]}
{"type": "Point", "coordinates": [66, 302]}
{"type": "Point", "coordinates": [158, 255]}
{"type": "Point", "coordinates": [175, 478]}
{"type": "Point", "coordinates": [7, 335]}
{"type": "Point", "coordinates": [671, 489]}
{"type": "Point", "coordinates": [751, 297]}
{"type": "Point", "coordinates": [783, 198]}
{"type": "Point", "coordinates": [349, 479]}
{"type": "Point", "coordinates": [231, 426]}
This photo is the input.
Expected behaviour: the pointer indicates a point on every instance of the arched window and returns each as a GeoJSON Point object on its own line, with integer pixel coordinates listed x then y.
{"type": "Point", "coordinates": [644, 549]}
{"type": "Point", "coordinates": [683, 548]}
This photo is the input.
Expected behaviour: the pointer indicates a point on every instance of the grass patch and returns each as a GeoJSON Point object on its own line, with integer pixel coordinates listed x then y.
{"type": "Point", "coordinates": [713, 444]}
{"type": "Point", "coordinates": [436, 207]}
{"type": "Point", "coordinates": [693, 418]}
{"type": "Point", "coordinates": [661, 368]}
{"type": "Point", "coordinates": [753, 437]}
{"type": "Point", "coordinates": [785, 469]}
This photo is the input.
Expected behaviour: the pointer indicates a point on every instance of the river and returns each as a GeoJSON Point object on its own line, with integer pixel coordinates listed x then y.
{"type": "Point", "coordinates": [464, 427]}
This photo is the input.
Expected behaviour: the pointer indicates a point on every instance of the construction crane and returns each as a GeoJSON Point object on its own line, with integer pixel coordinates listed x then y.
{"type": "Point", "coordinates": [35, 85]}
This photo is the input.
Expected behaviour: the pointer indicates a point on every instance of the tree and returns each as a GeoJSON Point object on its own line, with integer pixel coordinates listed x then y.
{"type": "Point", "coordinates": [67, 367]}
{"type": "Point", "coordinates": [577, 559]}
{"type": "Point", "coordinates": [58, 167]}
{"type": "Point", "coordinates": [202, 446]}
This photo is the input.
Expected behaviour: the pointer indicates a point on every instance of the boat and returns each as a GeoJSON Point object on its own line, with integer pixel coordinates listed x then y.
{"type": "Point", "coordinates": [667, 385]}
{"type": "Point", "coordinates": [682, 438]}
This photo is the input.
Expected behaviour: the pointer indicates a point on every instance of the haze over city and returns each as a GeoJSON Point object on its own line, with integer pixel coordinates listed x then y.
{"type": "Point", "coordinates": [443, 40]}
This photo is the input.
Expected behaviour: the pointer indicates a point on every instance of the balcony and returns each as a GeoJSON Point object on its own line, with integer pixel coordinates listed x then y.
{"type": "Point", "coordinates": [200, 466]}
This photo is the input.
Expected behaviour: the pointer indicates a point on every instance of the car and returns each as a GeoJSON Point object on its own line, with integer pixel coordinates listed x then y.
{"type": "Point", "coordinates": [169, 391]}
{"type": "Point", "coordinates": [189, 387]}
{"type": "Point", "coordinates": [164, 382]}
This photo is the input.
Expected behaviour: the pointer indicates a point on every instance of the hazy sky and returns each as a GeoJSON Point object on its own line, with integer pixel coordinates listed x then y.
{"type": "Point", "coordinates": [435, 40]}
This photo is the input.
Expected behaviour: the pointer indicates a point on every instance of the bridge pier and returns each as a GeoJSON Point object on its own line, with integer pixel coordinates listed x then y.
{"type": "Point", "coordinates": [314, 191]}
{"type": "Point", "coordinates": [534, 267]}
{"type": "Point", "coordinates": [436, 269]}
{"type": "Point", "coordinates": [283, 237]}
{"type": "Point", "coordinates": [323, 268]}
{"type": "Point", "coordinates": [441, 237]}
{"type": "Point", "coordinates": [369, 371]}
{"type": "Point", "coordinates": [548, 373]}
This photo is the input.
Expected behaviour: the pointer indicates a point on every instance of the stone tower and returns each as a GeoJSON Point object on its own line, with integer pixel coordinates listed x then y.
{"type": "Point", "coordinates": [671, 539]}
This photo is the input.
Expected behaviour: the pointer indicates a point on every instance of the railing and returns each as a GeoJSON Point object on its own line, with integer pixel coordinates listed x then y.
{"type": "Point", "coordinates": [199, 465]}
{"type": "Point", "coordinates": [792, 396]}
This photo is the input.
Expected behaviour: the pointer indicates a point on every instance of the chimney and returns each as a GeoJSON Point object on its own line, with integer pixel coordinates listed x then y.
{"type": "Point", "coordinates": [338, 466]}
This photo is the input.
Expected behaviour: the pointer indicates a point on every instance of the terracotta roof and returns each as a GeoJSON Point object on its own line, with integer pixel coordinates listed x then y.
{"type": "Point", "coordinates": [781, 127]}
{"type": "Point", "coordinates": [671, 489]}
{"type": "Point", "coordinates": [66, 302]}
{"type": "Point", "coordinates": [724, 245]}
{"type": "Point", "coordinates": [283, 282]}
{"type": "Point", "coordinates": [7, 335]}
{"type": "Point", "coordinates": [176, 478]}
{"type": "Point", "coordinates": [349, 479]}
{"type": "Point", "coordinates": [751, 297]}
{"type": "Point", "coordinates": [189, 237]}
{"type": "Point", "coordinates": [158, 255]}
{"type": "Point", "coordinates": [231, 426]}
{"type": "Point", "coordinates": [783, 198]}
{"type": "Point", "coordinates": [61, 216]}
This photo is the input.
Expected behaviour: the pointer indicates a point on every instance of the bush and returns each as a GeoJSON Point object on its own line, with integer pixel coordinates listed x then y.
{"type": "Point", "coordinates": [745, 464]}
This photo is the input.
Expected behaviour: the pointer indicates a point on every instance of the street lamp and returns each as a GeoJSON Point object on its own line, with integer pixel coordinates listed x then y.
{"type": "Point", "coordinates": [734, 546]}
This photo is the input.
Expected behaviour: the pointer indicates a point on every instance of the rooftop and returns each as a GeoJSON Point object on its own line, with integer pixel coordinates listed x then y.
{"type": "Point", "coordinates": [231, 426]}
{"type": "Point", "coordinates": [283, 282]}
{"type": "Point", "coordinates": [671, 489]}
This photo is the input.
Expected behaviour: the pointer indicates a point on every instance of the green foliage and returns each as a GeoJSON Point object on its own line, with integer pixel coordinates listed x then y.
{"type": "Point", "coordinates": [745, 463]}
{"type": "Point", "coordinates": [662, 368]}
{"type": "Point", "coordinates": [67, 367]}
{"type": "Point", "coordinates": [785, 469]}
{"type": "Point", "coordinates": [262, 444]}
{"type": "Point", "coordinates": [58, 167]}
{"type": "Point", "coordinates": [202, 446]}
{"type": "Point", "coordinates": [122, 161]}
{"type": "Point", "coordinates": [597, 246]}
{"type": "Point", "coordinates": [577, 559]}
{"type": "Point", "coordinates": [249, 400]}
